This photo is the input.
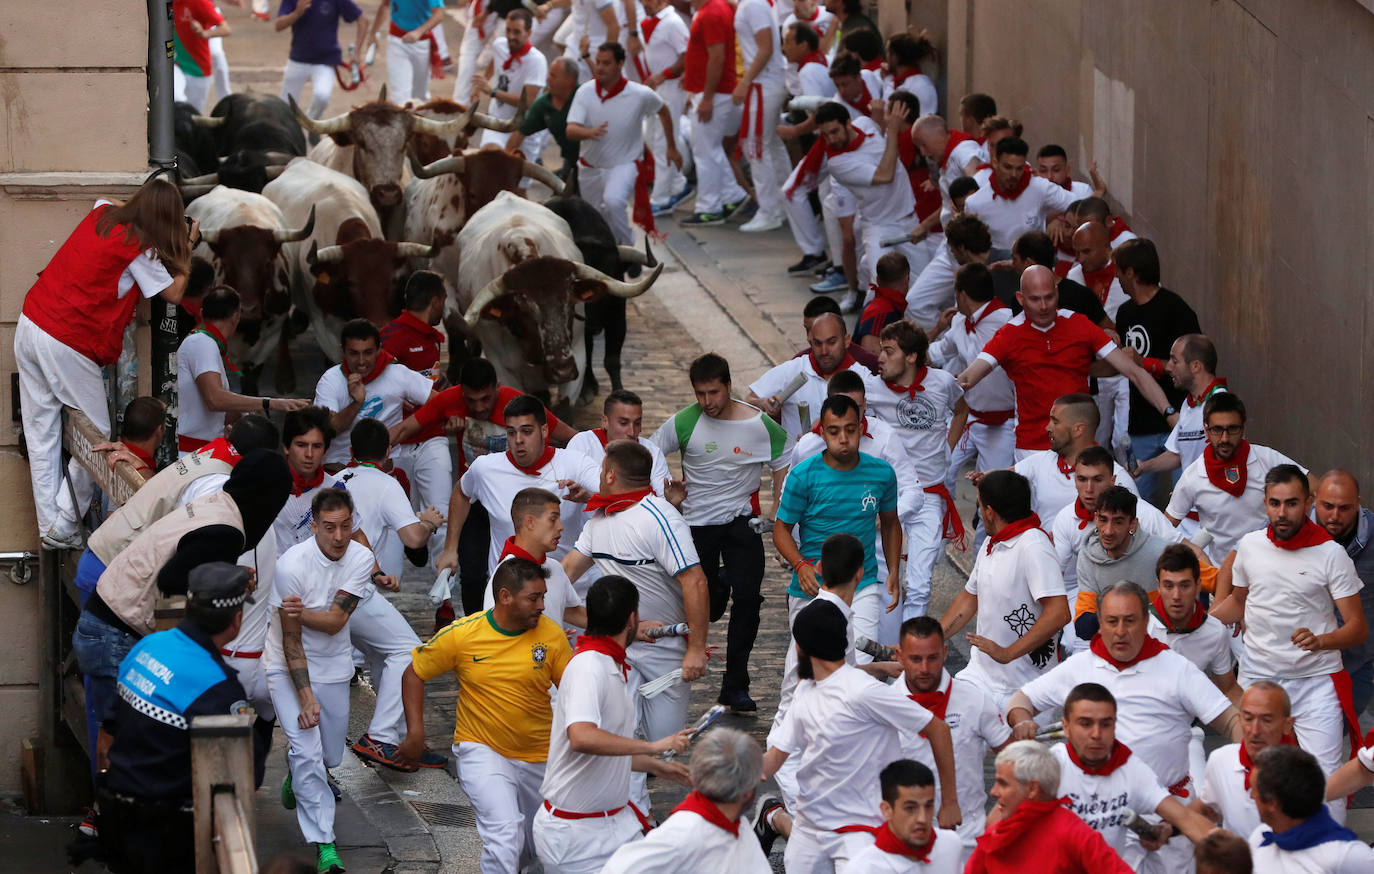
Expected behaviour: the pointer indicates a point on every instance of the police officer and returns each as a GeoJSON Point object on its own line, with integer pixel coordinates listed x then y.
{"type": "Point", "coordinates": [168, 679]}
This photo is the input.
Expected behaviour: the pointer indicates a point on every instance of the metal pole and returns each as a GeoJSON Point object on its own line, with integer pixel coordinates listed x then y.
{"type": "Point", "coordinates": [161, 149]}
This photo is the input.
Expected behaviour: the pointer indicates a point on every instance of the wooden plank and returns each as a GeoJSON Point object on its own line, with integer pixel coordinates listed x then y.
{"type": "Point", "coordinates": [80, 435]}
{"type": "Point", "coordinates": [233, 840]}
{"type": "Point", "coordinates": [221, 761]}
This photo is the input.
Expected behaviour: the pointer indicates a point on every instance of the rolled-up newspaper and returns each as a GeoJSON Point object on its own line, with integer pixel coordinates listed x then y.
{"type": "Point", "coordinates": [1053, 731]}
{"type": "Point", "coordinates": [680, 629]}
{"type": "Point", "coordinates": [804, 416]}
{"type": "Point", "coordinates": [878, 651]}
{"type": "Point", "coordinates": [443, 585]}
{"type": "Point", "coordinates": [1142, 827]}
{"type": "Point", "coordinates": [698, 727]}
{"type": "Point", "coordinates": [792, 387]}
{"type": "Point", "coordinates": [897, 241]}
{"type": "Point", "coordinates": [654, 688]}
{"type": "Point", "coordinates": [1203, 538]}
{"type": "Point", "coordinates": [806, 103]}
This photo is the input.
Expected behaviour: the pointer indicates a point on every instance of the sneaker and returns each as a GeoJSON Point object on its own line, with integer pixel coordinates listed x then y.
{"type": "Point", "coordinates": [762, 829]}
{"type": "Point", "coordinates": [737, 700]}
{"type": "Point", "coordinates": [357, 677]}
{"type": "Point", "coordinates": [327, 859]}
{"type": "Point", "coordinates": [745, 213]}
{"type": "Point", "coordinates": [88, 827]}
{"type": "Point", "coordinates": [703, 219]}
{"type": "Point", "coordinates": [333, 787]}
{"type": "Point", "coordinates": [730, 208]}
{"type": "Point", "coordinates": [851, 302]}
{"type": "Point", "coordinates": [760, 223]}
{"type": "Point", "coordinates": [688, 190]}
{"type": "Point", "coordinates": [661, 207]}
{"type": "Point", "coordinates": [56, 539]}
{"type": "Point", "coordinates": [288, 795]}
{"type": "Point", "coordinates": [431, 759]}
{"type": "Point", "coordinates": [832, 281]}
{"type": "Point", "coordinates": [380, 753]}
{"type": "Point", "coordinates": [807, 264]}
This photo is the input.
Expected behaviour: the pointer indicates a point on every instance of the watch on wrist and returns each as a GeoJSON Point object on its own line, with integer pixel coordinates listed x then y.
{"type": "Point", "coordinates": [267, 405]}
{"type": "Point", "coordinates": [1169, 410]}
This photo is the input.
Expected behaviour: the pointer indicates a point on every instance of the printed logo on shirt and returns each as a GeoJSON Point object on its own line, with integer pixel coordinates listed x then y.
{"type": "Point", "coordinates": [711, 447]}
{"type": "Point", "coordinates": [953, 720]}
{"type": "Point", "coordinates": [240, 708]}
{"type": "Point", "coordinates": [1098, 812]}
{"type": "Point", "coordinates": [1138, 339]}
{"type": "Point", "coordinates": [1233, 474]}
{"type": "Point", "coordinates": [372, 408]}
{"type": "Point", "coordinates": [869, 501]}
{"type": "Point", "coordinates": [916, 414]}
{"type": "Point", "coordinates": [740, 450]}
{"type": "Point", "coordinates": [539, 652]}
{"type": "Point", "coordinates": [1020, 622]}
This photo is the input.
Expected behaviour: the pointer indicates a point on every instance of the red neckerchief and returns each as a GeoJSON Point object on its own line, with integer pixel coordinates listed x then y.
{"type": "Point", "coordinates": [955, 138]}
{"type": "Point", "coordinates": [383, 359]}
{"type": "Point", "coordinates": [647, 25]}
{"type": "Point", "coordinates": [814, 58]}
{"type": "Point", "coordinates": [1219, 382]}
{"type": "Point", "coordinates": [809, 170]}
{"type": "Point", "coordinates": [705, 808]}
{"type": "Point", "coordinates": [1245, 762]}
{"type": "Point", "coordinates": [1083, 513]}
{"type": "Point", "coordinates": [1025, 817]}
{"type": "Point", "coordinates": [1120, 753]}
{"type": "Point", "coordinates": [533, 470]}
{"type": "Point", "coordinates": [1065, 469]}
{"type": "Point", "coordinates": [845, 363]}
{"type": "Point", "coordinates": [1118, 227]}
{"type": "Point", "coordinates": [970, 325]}
{"type": "Point", "coordinates": [1229, 476]}
{"type": "Point", "coordinates": [1310, 534]}
{"type": "Point", "coordinates": [936, 700]}
{"type": "Point", "coordinates": [864, 101]}
{"type": "Point", "coordinates": [601, 435]}
{"type": "Point", "coordinates": [516, 56]}
{"type": "Point", "coordinates": [1149, 649]}
{"type": "Point", "coordinates": [146, 461]}
{"type": "Point", "coordinates": [300, 486]}
{"type": "Point", "coordinates": [898, 79]}
{"type": "Point", "coordinates": [1021, 185]}
{"type": "Point", "coordinates": [221, 450]}
{"type": "Point", "coordinates": [1193, 623]}
{"type": "Point", "coordinates": [606, 646]}
{"type": "Point", "coordinates": [423, 328]}
{"type": "Point", "coordinates": [643, 212]}
{"type": "Point", "coordinates": [209, 330]}
{"type": "Point", "coordinates": [619, 501]}
{"type": "Point", "coordinates": [891, 295]}
{"type": "Point", "coordinates": [511, 549]}
{"type": "Point", "coordinates": [875, 64]}
{"type": "Point", "coordinates": [888, 842]}
{"type": "Point", "coordinates": [910, 389]}
{"type": "Point", "coordinates": [1011, 529]}
{"type": "Point", "coordinates": [1100, 281]}
{"type": "Point", "coordinates": [612, 91]}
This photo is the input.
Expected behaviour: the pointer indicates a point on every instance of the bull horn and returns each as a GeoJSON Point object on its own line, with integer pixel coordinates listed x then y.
{"type": "Point", "coordinates": [614, 286]}
{"type": "Point", "coordinates": [329, 255]}
{"type": "Point", "coordinates": [631, 255]}
{"type": "Point", "coordinates": [286, 235]}
{"type": "Point", "coordinates": [274, 170]}
{"type": "Point", "coordinates": [543, 174]}
{"type": "Point", "coordinates": [451, 164]}
{"type": "Point", "coordinates": [381, 95]}
{"type": "Point", "coordinates": [207, 120]}
{"type": "Point", "coordinates": [416, 250]}
{"type": "Point", "coordinates": [491, 122]}
{"type": "Point", "coordinates": [442, 129]}
{"type": "Point", "coordinates": [490, 292]}
{"type": "Point", "coordinates": [323, 126]}
{"type": "Point", "coordinates": [203, 179]}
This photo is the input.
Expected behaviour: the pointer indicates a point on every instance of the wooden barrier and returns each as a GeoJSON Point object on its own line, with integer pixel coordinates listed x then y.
{"type": "Point", "coordinates": [80, 437]}
{"type": "Point", "coordinates": [222, 792]}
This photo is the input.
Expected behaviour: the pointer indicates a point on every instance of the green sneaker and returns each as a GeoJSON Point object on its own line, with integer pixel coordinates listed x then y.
{"type": "Point", "coordinates": [702, 219]}
{"type": "Point", "coordinates": [288, 795]}
{"type": "Point", "coordinates": [327, 859]}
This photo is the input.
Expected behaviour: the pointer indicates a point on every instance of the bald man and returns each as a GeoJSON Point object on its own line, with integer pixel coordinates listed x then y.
{"type": "Point", "coordinates": [1049, 353]}
{"type": "Point", "coordinates": [1223, 796]}
{"type": "Point", "coordinates": [953, 151]}
{"type": "Point", "coordinates": [1337, 510]}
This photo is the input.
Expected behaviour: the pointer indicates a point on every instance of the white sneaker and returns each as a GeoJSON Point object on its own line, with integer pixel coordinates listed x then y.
{"type": "Point", "coordinates": [851, 301]}
{"type": "Point", "coordinates": [760, 223]}
{"type": "Point", "coordinates": [55, 539]}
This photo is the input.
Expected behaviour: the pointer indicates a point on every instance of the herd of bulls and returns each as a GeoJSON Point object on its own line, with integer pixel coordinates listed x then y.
{"type": "Point", "coordinates": [314, 238]}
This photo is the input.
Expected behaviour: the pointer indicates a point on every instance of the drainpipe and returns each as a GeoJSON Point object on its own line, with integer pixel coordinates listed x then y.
{"type": "Point", "coordinates": [161, 151]}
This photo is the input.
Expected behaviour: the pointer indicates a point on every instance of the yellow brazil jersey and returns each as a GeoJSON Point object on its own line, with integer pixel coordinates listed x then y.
{"type": "Point", "coordinates": [504, 678]}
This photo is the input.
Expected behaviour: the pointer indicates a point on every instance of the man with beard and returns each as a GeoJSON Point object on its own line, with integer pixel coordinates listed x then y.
{"type": "Point", "coordinates": [1192, 367]}
{"type": "Point", "coordinates": [1337, 509]}
{"type": "Point", "coordinates": [906, 841]}
{"type": "Point", "coordinates": [829, 341]}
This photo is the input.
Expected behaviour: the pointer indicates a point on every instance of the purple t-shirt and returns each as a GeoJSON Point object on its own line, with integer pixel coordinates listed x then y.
{"type": "Point", "coordinates": [315, 35]}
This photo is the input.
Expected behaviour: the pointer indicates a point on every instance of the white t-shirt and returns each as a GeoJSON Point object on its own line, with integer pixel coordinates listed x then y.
{"type": "Point", "coordinates": [846, 728]}
{"type": "Point", "coordinates": [976, 725]}
{"type": "Point", "coordinates": [917, 84]}
{"type": "Point", "coordinates": [380, 510]}
{"type": "Point", "coordinates": [1157, 700]}
{"type": "Point", "coordinates": [956, 349]}
{"type": "Point", "coordinates": [1223, 787]}
{"type": "Point", "coordinates": [560, 595]}
{"type": "Point", "coordinates": [1188, 439]}
{"type": "Point", "coordinates": [1208, 646]}
{"type": "Point", "coordinates": [623, 115]}
{"type": "Point", "coordinates": [1051, 489]}
{"type": "Point", "coordinates": [1102, 801]}
{"type": "Point", "coordinates": [959, 158]}
{"type": "Point", "coordinates": [1070, 533]}
{"type": "Point", "coordinates": [881, 441]}
{"type": "Point", "coordinates": [589, 444]}
{"type": "Point", "coordinates": [494, 480]}
{"type": "Point", "coordinates": [812, 393]}
{"type": "Point", "coordinates": [292, 524]}
{"type": "Point", "coordinates": [752, 16]}
{"type": "Point", "coordinates": [1290, 589]}
{"type": "Point", "coordinates": [198, 354]}
{"type": "Point", "coordinates": [1009, 583]}
{"type": "Point", "coordinates": [593, 689]}
{"type": "Point", "coordinates": [531, 69]}
{"type": "Point", "coordinates": [686, 841]}
{"type": "Point", "coordinates": [813, 78]}
{"type": "Point", "coordinates": [945, 855]}
{"type": "Point", "coordinates": [1227, 517]}
{"type": "Point", "coordinates": [257, 616]}
{"type": "Point", "coordinates": [306, 572]}
{"type": "Point", "coordinates": [789, 662]}
{"type": "Point", "coordinates": [1332, 857]}
{"type": "Point", "coordinates": [666, 44]}
{"type": "Point", "coordinates": [146, 269]}
{"type": "Point", "coordinates": [920, 419]}
{"type": "Point", "coordinates": [386, 393]}
{"type": "Point", "coordinates": [1009, 219]}
{"type": "Point", "coordinates": [884, 204]}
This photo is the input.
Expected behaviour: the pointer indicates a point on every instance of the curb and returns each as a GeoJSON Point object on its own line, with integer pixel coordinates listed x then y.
{"type": "Point", "coordinates": [406, 834]}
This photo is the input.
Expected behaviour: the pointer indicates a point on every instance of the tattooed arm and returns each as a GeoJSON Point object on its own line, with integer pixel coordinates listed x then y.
{"type": "Point", "coordinates": [293, 652]}
{"type": "Point", "coordinates": [333, 620]}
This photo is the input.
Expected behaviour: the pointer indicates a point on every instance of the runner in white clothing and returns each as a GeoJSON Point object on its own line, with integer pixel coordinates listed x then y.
{"type": "Point", "coordinates": [1015, 200]}
{"type": "Point", "coordinates": [622, 418]}
{"type": "Point", "coordinates": [1298, 833]}
{"type": "Point", "coordinates": [1192, 366]}
{"type": "Point", "coordinates": [905, 54]}
{"type": "Point", "coordinates": [908, 842]}
{"type": "Point", "coordinates": [762, 90]}
{"type": "Point", "coordinates": [535, 514]}
{"type": "Point", "coordinates": [305, 436]}
{"type": "Point", "coordinates": [520, 72]}
{"type": "Point", "coordinates": [1224, 794]}
{"type": "Point", "coordinates": [664, 36]}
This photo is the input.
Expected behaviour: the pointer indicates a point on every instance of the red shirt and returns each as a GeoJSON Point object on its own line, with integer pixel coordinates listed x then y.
{"type": "Point", "coordinates": [193, 51]}
{"type": "Point", "coordinates": [414, 343]}
{"type": "Point", "coordinates": [449, 402]}
{"type": "Point", "coordinates": [1044, 365]}
{"type": "Point", "coordinates": [1055, 841]}
{"type": "Point", "coordinates": [712, 24]}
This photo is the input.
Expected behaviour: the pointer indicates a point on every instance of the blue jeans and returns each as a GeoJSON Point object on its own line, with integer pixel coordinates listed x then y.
{"type": "Point", "coordinates": [88, 572]}
{"type": "Point", "coordinates": [1153, 487]}
{"type": "Point", "coordinates": [99, 648]}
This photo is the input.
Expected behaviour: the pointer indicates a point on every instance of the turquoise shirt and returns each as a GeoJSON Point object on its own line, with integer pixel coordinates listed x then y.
{"type": "Point", "coordinates": [410, 14]}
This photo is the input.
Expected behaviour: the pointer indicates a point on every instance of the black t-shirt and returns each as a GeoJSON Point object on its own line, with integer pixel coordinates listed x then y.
{"type": "Point", "coordinates": [1151, 329]}
{"type": "Point", "coordinates": [1072, 295]}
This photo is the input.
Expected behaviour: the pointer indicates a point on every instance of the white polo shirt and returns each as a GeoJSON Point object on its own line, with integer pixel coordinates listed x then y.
{"type": "Point", "coordinates": [920, 419]}
{"type": "Point", "coordinates": [1290, 589]}
{"type": "Point", "coordinates": [1009, 219]}
{"type": "Point", "coordinates": [1208, 646]}
{"type": "Point", "coordinates": [846, 728]}
{"type": "Point", "coordinates": [1223, 787]}
{"type": "Point", "coordinates": [590, 444]}
{"type": "Point", "coordinates": [976, 725]}
{"type": "Point", "coordinates": [881, 441]}
{"type": "Point", "coordinates": [1332, 857]}
{"type": "Point", "coordinates": [945, 855]}
{"type": "Point", "coordinates": [954, 165]}
{"type": "Point", "coordinates": [1070, 533]}
{"type": "Point", "coordinates": [1227, 517]}
{"type": "Point", "coordinates": [198, 354]}
{"type": "Point", "coordinates": [752, 16]}
{"type": "Point", "coordinates": [494, 480]}
{"type": "Point", "coordinates": [687, 841]}
{"type": "Point", "coordinates": [1188, 439]}
{"type": "Point", "coordinates": [917, 84]}
{"type": "Point", "coordinates": [957, 348]}
{"type": "Point", "coordinates": [1157, 700]}
{"type": "Point", "coordinates": [811, 393]}
{"type": "Point", "coordinates": [560, 595]}
{"type": "Point", "coordinates": [306, 572]}
{"type": "Point", "coordinates": [292, 524]}
{"type": "Point", "coordinates": [789, 662]}
{"type": "Point", "coordinates": [386, 393]}
{"type": "Point", "coordinates": [380, 509]}
{"type": "Point", "coordinates": [532, 68]}
{"type": "Point", "coordinates": [592, 690]}
{"type": "Point", "coordinates": [1102, 801]}
{"type": "Point", "coordinates": [624, 116]}
{"type": "Point", "coordinates": [813, 78]}
{"type": "Point", "coordinates": [1009, 583]}
{"type": "Point", "coordinates": [1051, 489]}
{"type": "Point", "coordinates": [889, 203]}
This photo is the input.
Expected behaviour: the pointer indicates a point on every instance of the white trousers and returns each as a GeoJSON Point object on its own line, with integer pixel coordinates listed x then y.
{"type": "Point", "coordinates": [312, 750]}
{"type": "Point", "coordinates": [504, 795]}
{"type": "Point", "coordinates": [582, 846]}
{"type": "Point", "coordinates": [386, 639]}
{"type": "Point", "coordinates": [869, 604]}
{"type": "Point", "coordinates": [611, 190]}
{"type": "Point", "coordinates": [661, 715]}
{"type": "Point", "coordinates": [992, 445]}
{"type": "Point", "coordinates": [806, 230]}
{"type": "Point", "coordinates": [917, 256]}
{"type": "Point", "coordinates": [930, 288]}
{"type": "Point", "coordinates": [668, 180]}
{"type": "Point", "coordinates": [407, 70]}
{"type": "Point", "coordinates": [811, 850]}
{"type": "Point", "coordinates": [254, 681]}
{"type": "Point", "coordinates": [321, 77]}
{"type": "Point", "coordinates": [469, 51]}
{"type": "Point", "coordinates": [764, 150]}
{"type": "Point", "coordinates": [219, 68]}
{"type": "Point", "coordinates": [53, 375]}
{"type": "Point", "coordinates": [716, 185]}
{"type": "Point", "coordinates": [924, 539]}
{"type": "Point", "coordinates": [1113, 401]}
{"type": "Point", "coordinates": [194, 90]}
{"type": "Point", "coordinates": [542, 37]}
{"type": "Point", "coordinates": [430, 468]}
